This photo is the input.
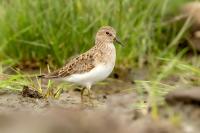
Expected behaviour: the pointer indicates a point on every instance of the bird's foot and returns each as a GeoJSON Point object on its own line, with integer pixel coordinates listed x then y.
{"type": "Point", "coordinates": [87, 98]}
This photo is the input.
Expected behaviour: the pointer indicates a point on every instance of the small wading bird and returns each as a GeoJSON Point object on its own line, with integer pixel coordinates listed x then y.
{"type": "Point", "coordinates": [92, 66]}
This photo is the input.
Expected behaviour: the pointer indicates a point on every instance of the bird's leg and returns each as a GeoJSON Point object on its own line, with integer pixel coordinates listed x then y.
{"type": "Point", "coordinates": [89, 91]}
{"type": "Point", "coordinates": [90, 95]}
{"type": "Point", "coordinates": [82, 93]}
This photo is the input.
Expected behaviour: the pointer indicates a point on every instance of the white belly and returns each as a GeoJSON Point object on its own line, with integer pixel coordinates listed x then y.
{"type": "Point", "coordinates": [99, 73]}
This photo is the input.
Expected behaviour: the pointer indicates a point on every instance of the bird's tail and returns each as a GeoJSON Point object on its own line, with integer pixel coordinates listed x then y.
{"type": "Point", "coordinates": [41, 76]}
{"type": "Point", "coordinates": [46, 76]}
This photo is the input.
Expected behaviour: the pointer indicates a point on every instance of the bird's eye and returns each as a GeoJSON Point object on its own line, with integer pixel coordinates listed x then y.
{"type": "Point", "coordinates": [108, 34]}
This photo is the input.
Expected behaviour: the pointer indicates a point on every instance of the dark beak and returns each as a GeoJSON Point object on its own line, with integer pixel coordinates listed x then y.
{"type": "Point", "coordinates": [117, 40]}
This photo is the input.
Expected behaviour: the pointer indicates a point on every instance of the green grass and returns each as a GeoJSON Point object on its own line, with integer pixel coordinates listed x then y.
{"type": "Point", "coordinates": [62, 28]}
{"type": "Point", "coordinates": [55, 30]}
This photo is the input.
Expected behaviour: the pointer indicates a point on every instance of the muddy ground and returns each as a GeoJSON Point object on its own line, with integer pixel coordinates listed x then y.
{"type": "Point", "coordinates": [113, 109]}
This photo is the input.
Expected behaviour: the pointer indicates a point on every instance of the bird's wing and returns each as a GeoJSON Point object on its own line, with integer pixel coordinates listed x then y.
{"type": "Point", "coordinates": [80, 64]}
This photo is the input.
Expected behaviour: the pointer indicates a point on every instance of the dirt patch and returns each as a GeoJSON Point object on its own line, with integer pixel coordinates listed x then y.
{"type": "Point", "coordinates": [27, 92]}
{"type": "Point", "coordinates": [29, 99]}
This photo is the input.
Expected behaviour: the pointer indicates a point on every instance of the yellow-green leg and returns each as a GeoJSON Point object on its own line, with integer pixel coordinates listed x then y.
{"type": "Point", "coordinates": [89, 94]}
{"type": "Point", "coordinates": [82, 93]}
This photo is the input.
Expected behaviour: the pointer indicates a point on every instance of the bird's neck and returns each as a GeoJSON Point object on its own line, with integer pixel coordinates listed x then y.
{"type": "Point", "coordinates": [104, 44]}
{"type": "Point", "coordinates": [105, 50]}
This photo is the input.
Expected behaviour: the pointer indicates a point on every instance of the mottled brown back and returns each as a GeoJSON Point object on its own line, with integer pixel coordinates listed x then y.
{"type": "Point", "coordinates": [80, 64]}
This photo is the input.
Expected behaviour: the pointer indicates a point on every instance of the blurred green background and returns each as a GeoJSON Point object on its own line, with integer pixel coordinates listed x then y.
{"type": "Point", "coordinates": [54, 30]}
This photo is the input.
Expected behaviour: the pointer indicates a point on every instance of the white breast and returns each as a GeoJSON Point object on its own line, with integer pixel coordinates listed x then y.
{"type": "Point", "coordinates": [100, 72]}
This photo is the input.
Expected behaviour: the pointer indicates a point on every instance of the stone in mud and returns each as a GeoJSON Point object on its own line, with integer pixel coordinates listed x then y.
{"type": "Point", "coordinates": [192, 10]}
{"type": "Point", "coordinates": [186, 103]}
{"type": "Point", "coordinates": [184, 96]}
{"type": "Point", "coordinates": [27, 92]}
{"type": "Point", "coordinates": [194, 40]}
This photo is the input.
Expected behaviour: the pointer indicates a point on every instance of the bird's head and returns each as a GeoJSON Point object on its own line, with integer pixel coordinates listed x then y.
{"type": "Point", "coordinates": [107, 34]}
